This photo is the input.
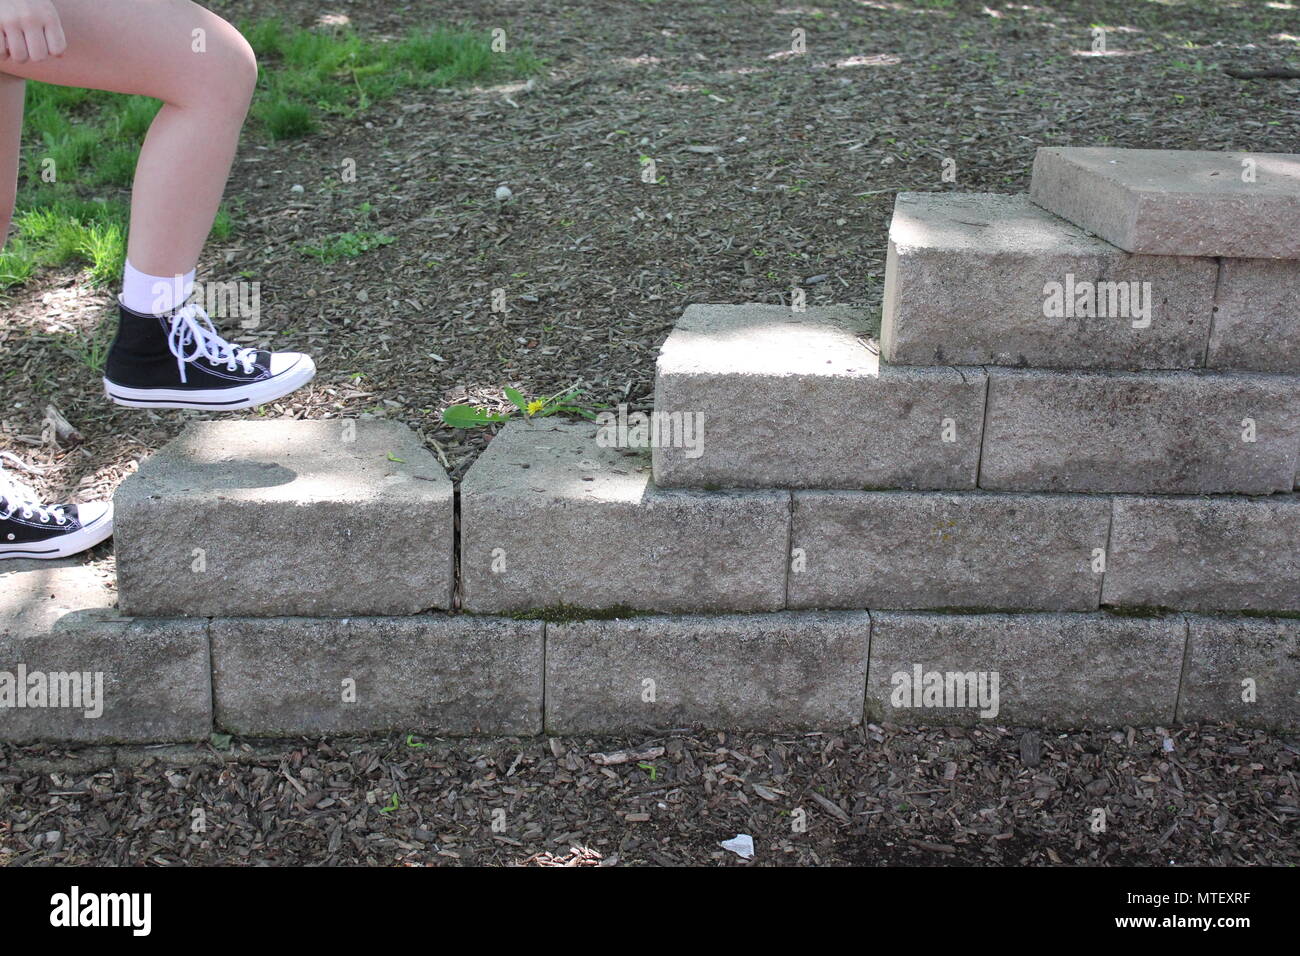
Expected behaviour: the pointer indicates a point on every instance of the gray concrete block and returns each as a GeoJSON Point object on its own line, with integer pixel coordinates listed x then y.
{"type": "Point", "coordinates": [983, 279]}
{"type": "Point", "coordinates": [898, 549]}
{"type": "Point", "coordinates": [317, 518]}
{"type": "Point", "coordinates": [72, 670]}
{"type": "Point", "coordinates": [1221, 553]}
{"type": "Point", "coordinates": [1059, 670]}
{"type": "Point", "coordinates": [1231, 658]}
{"type": "Point", "coordinates": [549, 517]}
{"type": "Point", "coordinates": [1176, 202]}
{"type": "Point", "coordinates": [800, 400]}
{"type": "Point", "coordinates": [1161, 432]}
{"type": "Point", "coordinates": [767, 671]}
{"type": "Point", "coordinates": [431, 673]}
{"type": "Point", "coordinates": [1257, 316]}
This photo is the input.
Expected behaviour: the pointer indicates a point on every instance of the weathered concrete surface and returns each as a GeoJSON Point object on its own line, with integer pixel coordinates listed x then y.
{"type": "Point", "coordinates": [898, 549]}
{"type": "Point", "coordinates": [984, 279]}
{"type": "Point", "coordinates": [1160, 432]}
{"type": "Point", "coordinates": [771, 671]}
{"type": "Point", "coordinates": [1176, 202]}
{"type": "Point", "coordinates": [113, 680]}
{"type": "Point", "coordinates": [1205, 553]}
{"type": "Point", "coordinates": [799, 400]}
{"type": "Point", "coordinates": [432, 673]}
{"type": "Point", "coordinates": [1060, 670]}
{"type": "Point", "coordinates": [550, 518]}
{"type": "Point", "coordinates": [1229, 658]}
{"type": "Point", "coordinates": [1257, 316]}
{"type": "Point", "coordinates": [319, 518]}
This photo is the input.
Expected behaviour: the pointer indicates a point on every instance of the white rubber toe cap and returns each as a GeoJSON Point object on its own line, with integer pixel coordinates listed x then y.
{"type": "Point", "coordinates": [95, 513]}
{"type": "Point", "coordinates": [296, 362]}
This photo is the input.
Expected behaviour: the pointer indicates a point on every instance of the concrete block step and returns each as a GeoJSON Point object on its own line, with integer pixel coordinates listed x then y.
{"type": "Point", "coordinates": [788, 399]}
{"type": "Point", "coordinates": [1176, 202]}
{"type": "Point", "coordinates": [1242, 669]}
{"type": "Point", "coordinates": [73, 670]}
{"type": "Point", "coordinates": [1213, 553]}
{"type": "Point", "coordinates": [983, 279]}
{"type": "Point", "coordinates": [961, 550]}
{"type": "Point", "coordinates": [771, 671]}
{"type": "Point", "coordinates": [1061, 670]}
{"type": "Point", "coordinates": [1256, 323]}
{"type": "Point", "coordinates": [282, 518]}
{"type": "Point", "coordinates": [1141, 432]}
{"type": "Point", "coordinates": [430, 673]}
{"type": "Point", "coordinates": [552, 516]}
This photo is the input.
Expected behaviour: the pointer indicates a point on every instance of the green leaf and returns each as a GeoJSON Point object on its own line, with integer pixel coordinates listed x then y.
{"type": "Point", "coordinates": [392, 457]}
{"type": "Point", "coordinates": [467, 416]}
{"type": "Point", "coordinates": [517, 399]}
{"type": "Point", "coordinates": [220, 741]}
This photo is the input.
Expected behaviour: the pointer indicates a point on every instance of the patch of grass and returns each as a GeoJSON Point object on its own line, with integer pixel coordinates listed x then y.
{"type": "Point", "coordinates": [347, 245]}
{"type": "Point", "coordinates": [307, 73]}
{"type": "Point", "coordinates": [67, 230]}
{"type": "Point", "coordinates": [223, 225]}
{"type": "Point", "coordinates": [285, 120]}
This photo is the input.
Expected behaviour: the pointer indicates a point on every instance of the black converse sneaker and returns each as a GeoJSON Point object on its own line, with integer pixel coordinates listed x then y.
{"type": "Point", "coordinates": [178, 360]}
{"type": "Point", "coordinates": [30, 530]}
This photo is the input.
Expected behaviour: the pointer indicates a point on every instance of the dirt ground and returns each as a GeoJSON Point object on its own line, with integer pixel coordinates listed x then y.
{"type": "Point", "coordinates": [775, 171]}
{"type": "Point", "coordinates": [872, 796]}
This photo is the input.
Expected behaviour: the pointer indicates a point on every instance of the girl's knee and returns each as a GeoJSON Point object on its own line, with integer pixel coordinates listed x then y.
{"type": "Point", "coordinates": [243, 64]}
{"type": "Point", "coordinates": [226, 68]}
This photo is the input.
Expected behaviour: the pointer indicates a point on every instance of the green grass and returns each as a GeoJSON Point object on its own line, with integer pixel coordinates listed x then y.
{"type": "Point", "coordinates": [346, 245]}
{"type": "Point", "coordinates": [60, 229]}
{"type": "Point", "coordinates": [80, 146]}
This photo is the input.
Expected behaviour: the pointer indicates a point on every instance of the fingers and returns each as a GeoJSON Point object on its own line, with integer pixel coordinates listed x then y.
{"type": "Point", "coordinates": [54, 38]}
{"type": "Point", "coordinates": [16, 43]}
{"type": "Point", "coordinates": [36, 48]}
{"type": "Point", "coordinates": [34, 42]}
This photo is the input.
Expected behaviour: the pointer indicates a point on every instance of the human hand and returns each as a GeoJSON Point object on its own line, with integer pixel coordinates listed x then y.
{"type": "Point", "coordinates": [30, 30]}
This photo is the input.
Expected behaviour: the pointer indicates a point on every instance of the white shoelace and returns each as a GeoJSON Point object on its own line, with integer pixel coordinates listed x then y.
{"type": "Point", "coordinates": [192, 329]}
{"type": "Point", "coordinates": [11, 506]}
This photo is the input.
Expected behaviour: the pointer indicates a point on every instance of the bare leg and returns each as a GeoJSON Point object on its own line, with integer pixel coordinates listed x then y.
{"type": "Point", "coordinates": [202, 69]}
{"type": "Point", "coordinates": [12, 90]}
{"type": "Point", "coordinates": [205, 73]}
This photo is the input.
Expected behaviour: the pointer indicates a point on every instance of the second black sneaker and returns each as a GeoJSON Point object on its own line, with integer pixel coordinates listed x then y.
{"type": "Point", "coordinates": [31, 530]}
{"type": "Point", "coordinates": [178, 360]}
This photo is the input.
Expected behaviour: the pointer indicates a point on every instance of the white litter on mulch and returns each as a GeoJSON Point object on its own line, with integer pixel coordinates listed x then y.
{"type": "Point", "coordinates": [742, 844]}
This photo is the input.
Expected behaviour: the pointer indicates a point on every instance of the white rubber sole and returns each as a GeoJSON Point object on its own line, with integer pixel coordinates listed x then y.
{"type": "Point", "coordinates": [216, 399]}
{"type": "Point", "coordinates": [65, 546]}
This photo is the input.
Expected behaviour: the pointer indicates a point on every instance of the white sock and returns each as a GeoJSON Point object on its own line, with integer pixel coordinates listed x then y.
{"type": "Point", "coordinates": [154, 295]}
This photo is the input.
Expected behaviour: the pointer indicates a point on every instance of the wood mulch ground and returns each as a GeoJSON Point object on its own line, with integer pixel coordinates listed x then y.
{"type": "Point", "coordinates": [870, 796]}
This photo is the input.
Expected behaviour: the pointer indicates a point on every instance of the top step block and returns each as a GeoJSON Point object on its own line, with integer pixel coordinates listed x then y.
{"type": "Point", "coordinates": [983, 279]}
{"type": "Point", "coordinates": [1176, 202]}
